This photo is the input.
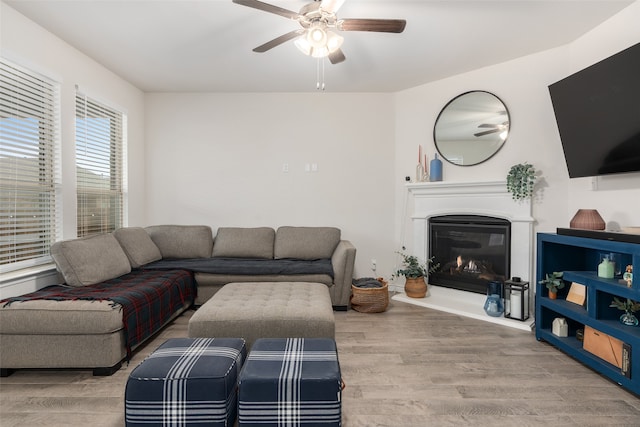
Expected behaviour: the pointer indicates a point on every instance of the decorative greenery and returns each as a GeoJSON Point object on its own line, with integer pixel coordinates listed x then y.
{"type": "Point", "coordinates": [553, 281]}
{"type": "Point", "coordinates": [412, 266]}
{"type": "Point", "coordinates": [627, 305]}
{"type": "Point", "coordinates": [520, 181]}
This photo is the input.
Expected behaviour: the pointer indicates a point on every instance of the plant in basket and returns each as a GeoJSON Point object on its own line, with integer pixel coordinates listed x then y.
{"type": "Point", "coordinates": [415, 272]}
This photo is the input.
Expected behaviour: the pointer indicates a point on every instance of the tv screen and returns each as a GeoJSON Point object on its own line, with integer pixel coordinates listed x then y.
{"type": "Point", "coordinates": [598, 115]}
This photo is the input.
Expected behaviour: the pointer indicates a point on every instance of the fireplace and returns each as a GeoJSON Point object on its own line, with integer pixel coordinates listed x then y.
{"type": "Point", "coordinates": [434, 200]}
{"type": "Point", "coordinates": [470, 251]}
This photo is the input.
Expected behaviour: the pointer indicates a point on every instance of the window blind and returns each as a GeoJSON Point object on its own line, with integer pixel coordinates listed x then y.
{"type": "Point", "coordinates": [99, 166]}
{"type": "Point", "coordinates": [29, 166]}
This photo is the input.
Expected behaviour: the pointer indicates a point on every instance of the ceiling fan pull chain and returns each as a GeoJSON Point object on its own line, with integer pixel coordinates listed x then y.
{"type": "Point", "coordinates": [319, 75]}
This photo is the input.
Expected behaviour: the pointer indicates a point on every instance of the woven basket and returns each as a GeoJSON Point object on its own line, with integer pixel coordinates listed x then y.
{"type": "Point", "coordinates": [370, 300]}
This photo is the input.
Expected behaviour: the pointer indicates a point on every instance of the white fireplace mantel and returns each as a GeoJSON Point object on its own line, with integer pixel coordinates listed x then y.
{"type": "Point", "coordinates": [487, 198]}
{"type": "Point", "coordinates": [473, 198]}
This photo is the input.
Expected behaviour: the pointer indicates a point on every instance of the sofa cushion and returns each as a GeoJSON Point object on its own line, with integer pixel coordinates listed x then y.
{"type": "Point", "coordinates": [76, 317]}
{"type": "Point", "coordinates": [306, 242]}
{"type": "Point", "coordinates": [182, 241]}
{"type": "Point", "coordinates": [234, 242]}
{"type": "Point", "coordinates": [90, 260]}
{"type": "Point", "coordinates": [137, 245]}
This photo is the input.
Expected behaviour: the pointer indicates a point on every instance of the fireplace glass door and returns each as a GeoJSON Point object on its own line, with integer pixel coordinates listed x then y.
{"type": "Point", "coordinates": [471, 251]}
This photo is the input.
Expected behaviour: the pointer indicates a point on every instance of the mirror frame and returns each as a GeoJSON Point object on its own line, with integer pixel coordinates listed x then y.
{"type": "Point", "coordinates": [472, 123]}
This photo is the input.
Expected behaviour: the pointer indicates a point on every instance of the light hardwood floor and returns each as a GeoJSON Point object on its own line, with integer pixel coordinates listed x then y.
{"type": "Point", "coordinates": [409, 366]}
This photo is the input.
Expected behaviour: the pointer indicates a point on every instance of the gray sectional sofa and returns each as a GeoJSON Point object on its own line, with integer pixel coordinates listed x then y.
{"type": "Point", "coordinates": [73, 326]}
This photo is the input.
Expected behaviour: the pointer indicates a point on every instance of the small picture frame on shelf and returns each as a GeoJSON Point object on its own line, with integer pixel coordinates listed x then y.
{"type": "Point", "coordinates": [577, 294]}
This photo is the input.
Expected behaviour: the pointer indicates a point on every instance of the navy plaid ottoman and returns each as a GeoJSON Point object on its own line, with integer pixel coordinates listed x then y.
{"type": "Point", "coordinates": [186, 381]}
{"type": "Point", "coordinates": [289, 382]}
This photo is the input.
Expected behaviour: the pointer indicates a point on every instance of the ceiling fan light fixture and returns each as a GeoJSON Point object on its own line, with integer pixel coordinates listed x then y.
{"type": "Point", "coordinates": [320, 52]}
{"type": "Point", "coordinates": [334, 41]}
{"type": "Point", "coordinates": [317, 35]}
{"type": "Point", "coordinates": [303, 45]}
{"type": "Point", "coordinates": [331, 43]}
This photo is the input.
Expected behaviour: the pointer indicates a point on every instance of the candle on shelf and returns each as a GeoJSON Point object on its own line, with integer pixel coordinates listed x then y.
{"type": "Point", "coordinates": [516, 304]}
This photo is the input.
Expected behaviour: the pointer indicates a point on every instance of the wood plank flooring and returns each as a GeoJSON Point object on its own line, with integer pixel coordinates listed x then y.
{"type": "Point", "coordinates": [409, 366]}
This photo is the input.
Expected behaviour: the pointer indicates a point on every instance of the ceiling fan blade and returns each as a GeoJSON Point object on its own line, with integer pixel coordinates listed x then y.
{"type": "Point", "coordinates": [503, 125]}
{"type": "Point", "coordinates": [278, 41]}
{"type": "Point", "coordinates": [486, 132]}
{"type": "Point", "coordinates": [378, 25]}
{"type": "Point", "coordinates": [268, 8]}
{"type": "Point", "coordinates": [331, 6]}
{"type": "Point", "coordinates": [337, 56]}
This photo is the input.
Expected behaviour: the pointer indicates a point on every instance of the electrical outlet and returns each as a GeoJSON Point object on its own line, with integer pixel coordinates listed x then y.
{"type": "Point", "coordinates": [373, 263]}
{"type": "Point", "coordinates": [285, 167]}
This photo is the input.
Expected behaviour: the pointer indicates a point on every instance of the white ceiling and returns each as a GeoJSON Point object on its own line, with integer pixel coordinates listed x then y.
{"type": "Point", "coordinates": [205, 45]}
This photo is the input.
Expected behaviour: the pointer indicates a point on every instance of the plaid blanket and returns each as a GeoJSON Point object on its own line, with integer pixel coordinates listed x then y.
{"type": "Point", "coordinates": [147, 299]}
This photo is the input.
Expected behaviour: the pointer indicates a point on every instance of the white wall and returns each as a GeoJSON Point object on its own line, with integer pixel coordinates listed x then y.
{"type": "Point", "coordinates": [24, 42]}
{"type": "Point", "coordinates": [522, 86]}
{"type": "Point", "coordinates": [617, 197]}
{"type": "Point", "coordinates": [217, 159]}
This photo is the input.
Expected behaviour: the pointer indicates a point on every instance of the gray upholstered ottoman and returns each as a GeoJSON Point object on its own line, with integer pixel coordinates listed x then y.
{"type": "Point", "coordinates": [255, 310]}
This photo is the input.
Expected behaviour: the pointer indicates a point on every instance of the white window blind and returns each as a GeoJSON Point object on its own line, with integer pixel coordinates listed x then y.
{"type": "Point", "coordinates": [99, 166]}
{"type": "Point", "coordinates": [29, 167]}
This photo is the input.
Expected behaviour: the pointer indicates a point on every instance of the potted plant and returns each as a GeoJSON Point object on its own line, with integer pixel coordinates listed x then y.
{"type": "Point", "coordinates": [553, 282]}
{"type": "Point", "coordinates": [521, 180]}
{"type": "Point", "coordinates": [629, 307]}
{"type": "Point", "coordinates": [415, 272]}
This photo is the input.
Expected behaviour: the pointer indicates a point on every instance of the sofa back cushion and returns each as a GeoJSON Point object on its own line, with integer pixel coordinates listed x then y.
{"type": "Point", "coordinates": [90, 260]}
{"type": "Point", "coordinates": [236, 242]}
{"type": "Point", "coordinates": [306, 242]}
{"type": "Point", "coordinates": [182, 241]}
{"type": "Point", "coordinates": [137, 245]}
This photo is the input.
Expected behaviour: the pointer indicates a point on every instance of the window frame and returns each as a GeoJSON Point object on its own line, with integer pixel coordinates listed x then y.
{"type": "Point", "coordinates": [30, 227]}
{"type": "Point", "coordinates": [100, 153]}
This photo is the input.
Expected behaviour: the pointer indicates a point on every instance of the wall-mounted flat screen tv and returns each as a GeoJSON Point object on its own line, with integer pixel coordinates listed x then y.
{"type": "Point", "coordinates": [598, 115]}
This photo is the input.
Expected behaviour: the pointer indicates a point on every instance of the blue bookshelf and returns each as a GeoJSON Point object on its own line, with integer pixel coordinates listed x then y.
{"type": "Point", "coordinates": [578, 258]}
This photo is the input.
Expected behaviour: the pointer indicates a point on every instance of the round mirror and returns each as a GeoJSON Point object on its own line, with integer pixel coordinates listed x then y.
{"type": "Point", "coordinates": [471, 128]}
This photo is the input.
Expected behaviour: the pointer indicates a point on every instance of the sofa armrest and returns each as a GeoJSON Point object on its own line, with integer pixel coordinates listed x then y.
{"type": "Point", "coordinates": [343, 261]}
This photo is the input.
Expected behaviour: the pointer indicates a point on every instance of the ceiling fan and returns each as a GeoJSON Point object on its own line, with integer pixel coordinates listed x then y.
{"type": "Point", "coordinates": [318, 19]}
{"type": "Point", "coordinates": [493, 128]}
